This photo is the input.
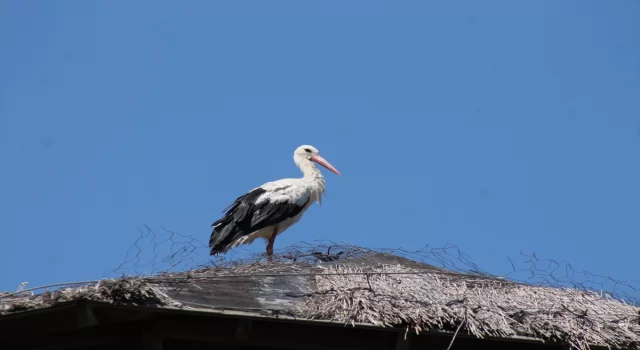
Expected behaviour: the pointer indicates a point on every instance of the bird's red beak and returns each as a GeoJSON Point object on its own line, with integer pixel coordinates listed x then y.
{"type": "Point", "coordinates": [324, 163]}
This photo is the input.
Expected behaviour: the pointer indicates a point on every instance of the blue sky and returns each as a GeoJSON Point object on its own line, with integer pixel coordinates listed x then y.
{"type": "Point", "coordinates": [497, 126]}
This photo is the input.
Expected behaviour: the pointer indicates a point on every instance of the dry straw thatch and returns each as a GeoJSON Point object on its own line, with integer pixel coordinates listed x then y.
{"type": "Point", "coordinates": [396, 294]}
{"type": "Point", "coordinates": [482, 306]}
{"type": "Point", "coordinates": [130, 291]}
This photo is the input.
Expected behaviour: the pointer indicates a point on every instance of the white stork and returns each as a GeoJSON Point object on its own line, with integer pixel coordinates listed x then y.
{"type": "Point", "coordinates": [268, 210]}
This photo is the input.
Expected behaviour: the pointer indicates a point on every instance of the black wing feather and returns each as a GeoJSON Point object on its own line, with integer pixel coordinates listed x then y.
{"type": "Point", "coordinates": [244, 216]}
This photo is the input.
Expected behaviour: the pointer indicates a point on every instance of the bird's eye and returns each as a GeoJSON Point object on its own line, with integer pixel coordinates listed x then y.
{"type": "Point", "coordinates": [307, 150]}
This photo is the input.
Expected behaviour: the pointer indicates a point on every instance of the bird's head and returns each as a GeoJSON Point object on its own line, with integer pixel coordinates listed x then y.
{"type": "Point", "coordinates": [310, 153]}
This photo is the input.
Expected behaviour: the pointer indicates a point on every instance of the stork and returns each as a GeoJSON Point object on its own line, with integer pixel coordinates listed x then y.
{"type": "Point", "coordinates": [268, 210]}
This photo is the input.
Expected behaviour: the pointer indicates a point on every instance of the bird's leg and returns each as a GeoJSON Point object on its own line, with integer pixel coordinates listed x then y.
{"type": "Point", "coordinates": [272, 239]}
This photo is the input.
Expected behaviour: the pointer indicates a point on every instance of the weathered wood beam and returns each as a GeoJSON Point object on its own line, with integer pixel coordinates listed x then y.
{"type": "Point", "coordinates": [403, 343]}
{"type": "Point", "coordinates": [85, 316]}
{"type": "Point", "coordinates": [151, 340]}
{"type": "Point", "coordinates": [243, 329]}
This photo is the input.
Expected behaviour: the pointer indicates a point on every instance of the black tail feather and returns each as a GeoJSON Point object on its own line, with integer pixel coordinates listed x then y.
{"type": "Point", "coordinates": [233, 224]}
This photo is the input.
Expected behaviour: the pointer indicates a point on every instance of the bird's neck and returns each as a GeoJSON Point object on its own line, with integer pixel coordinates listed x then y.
{"type": "Point", "coordinates": [311, 172]}
{"type": "Point", "coordinates": [313, 177]}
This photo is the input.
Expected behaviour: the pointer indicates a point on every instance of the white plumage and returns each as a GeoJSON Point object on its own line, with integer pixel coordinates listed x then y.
{"type": "Point", "coordinates": [268, 210]}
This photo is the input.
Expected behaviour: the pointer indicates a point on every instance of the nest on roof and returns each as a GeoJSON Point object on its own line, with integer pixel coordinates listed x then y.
{"type": "Point", "coordinates": [129, 291]}
{"type": "Point", "coordinates": [363, 286]}
{"type": "Point", "coordinates": [387, 296]}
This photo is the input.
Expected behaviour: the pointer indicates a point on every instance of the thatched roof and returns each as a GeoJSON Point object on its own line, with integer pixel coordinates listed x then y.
{"type": "Point", "coordinates": [367, 287]}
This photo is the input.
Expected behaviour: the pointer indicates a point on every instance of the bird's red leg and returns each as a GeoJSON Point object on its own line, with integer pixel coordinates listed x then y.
{"type": "Point", "coordinates": [272, 239]}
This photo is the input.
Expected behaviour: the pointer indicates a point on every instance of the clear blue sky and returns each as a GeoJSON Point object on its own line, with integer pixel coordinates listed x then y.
{"type": "Point", "coordinates": [498, 126]}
